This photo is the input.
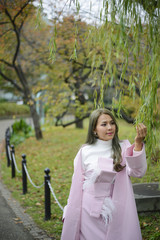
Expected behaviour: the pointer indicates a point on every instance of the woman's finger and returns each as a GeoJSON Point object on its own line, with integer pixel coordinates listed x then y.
{"type": "Point", "coordinates": [141, 130]}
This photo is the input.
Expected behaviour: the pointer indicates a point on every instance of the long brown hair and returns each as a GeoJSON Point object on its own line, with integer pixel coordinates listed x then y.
{"type": "Point", "coordinates": [91, 137]}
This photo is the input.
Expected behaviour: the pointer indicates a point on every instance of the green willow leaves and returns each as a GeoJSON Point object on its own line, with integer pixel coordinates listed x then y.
{"type": "Point", "coordinates": [125, 55]}
{"type": "Point", "coordinates": [128, 40]}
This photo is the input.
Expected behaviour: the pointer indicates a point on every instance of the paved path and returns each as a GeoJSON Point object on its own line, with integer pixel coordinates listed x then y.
{"type": "Point", "coordinates": [5, 123]}
{"type": "Point", "coordinates": [11, 226]}
{"type": "Point", "coordinates": [15, 224]}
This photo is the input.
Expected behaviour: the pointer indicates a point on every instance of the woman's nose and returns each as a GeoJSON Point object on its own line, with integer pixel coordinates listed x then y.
{"type": "Point", "coordinates": [109, 126]}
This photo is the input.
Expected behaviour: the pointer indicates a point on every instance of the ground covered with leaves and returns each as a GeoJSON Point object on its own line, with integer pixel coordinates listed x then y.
{"type": "Point", "coordinates": [56, 151]}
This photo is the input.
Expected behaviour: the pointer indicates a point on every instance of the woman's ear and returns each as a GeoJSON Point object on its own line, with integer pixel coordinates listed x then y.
{"type": "Point", "coordinates": [95, 134]}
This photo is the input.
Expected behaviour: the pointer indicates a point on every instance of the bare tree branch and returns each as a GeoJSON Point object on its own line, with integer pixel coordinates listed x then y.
{"type": "Point", "coordinates": [21, 10]}
{"type": "Point", "coordinates": [5, 32]}
{"type": "Point", "coordinates": [21, 77]}
{"type": "Point", "coordinates": [73, 122]}
{"type": "Point", "coordinates": [122, 113]}
{"type": "Point", "coordinates": [17, 36]}
{"type": "Point", "coordinates": [11, 81]}
{"type": "Point", "coordinates": [101, 68]}
{"type": "Point", "coordinates": [1, 23]}
{"type": "Point", "coordinates": [43, 60]}
{"type": "Point", "coordinates": [7, 63]}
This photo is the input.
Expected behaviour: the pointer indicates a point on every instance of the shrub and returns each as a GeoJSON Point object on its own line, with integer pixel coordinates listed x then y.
{"type": "Point", "coordinates": [12, 109]}
{"type": "Point", "coordinates": [21, 126]}
{"type": "Point", "coordinates": [21, 131]}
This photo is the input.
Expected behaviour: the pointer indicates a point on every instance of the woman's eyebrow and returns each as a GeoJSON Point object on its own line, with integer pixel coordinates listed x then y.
{"type": "Point", "coordinates": [107, 120]}
{"type": "Point", "coordinates": [104, 121]}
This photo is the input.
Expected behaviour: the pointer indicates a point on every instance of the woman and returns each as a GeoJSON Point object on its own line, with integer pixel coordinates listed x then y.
{"type": "Point", "coordinates": [101, 203]}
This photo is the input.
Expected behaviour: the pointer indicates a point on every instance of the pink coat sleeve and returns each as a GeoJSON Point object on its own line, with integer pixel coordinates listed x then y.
{"type": "Point", "coordinates": [135, 161]}
{"type": "Point", "coordinates": [75, 165]}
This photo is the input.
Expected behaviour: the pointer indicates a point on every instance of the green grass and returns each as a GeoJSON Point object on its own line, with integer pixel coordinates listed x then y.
{"type": "Point", "coordinates": [56, 151]}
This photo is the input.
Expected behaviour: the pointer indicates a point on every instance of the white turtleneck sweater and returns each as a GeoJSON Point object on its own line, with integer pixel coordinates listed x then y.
{"type": "Point", "coordinates": [91, 153]}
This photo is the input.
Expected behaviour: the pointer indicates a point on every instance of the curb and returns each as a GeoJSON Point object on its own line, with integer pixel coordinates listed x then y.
{"type": "Point", "coordinates": [147, 197]}
{"type": "Point", "coordinates": [16, 117]}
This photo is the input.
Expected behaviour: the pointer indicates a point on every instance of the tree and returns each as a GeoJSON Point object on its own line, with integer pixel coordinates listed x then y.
{"type": "Point", "coordinates": [129, 37]}
{"type": "Point", "coordinates": [137, 45]}
{"type": "Point", "coordinates": [69, 77]}
{"type": "Point", "coordinates": [77, 75]}
{"type": "Point", "coordinates": [18, 66]}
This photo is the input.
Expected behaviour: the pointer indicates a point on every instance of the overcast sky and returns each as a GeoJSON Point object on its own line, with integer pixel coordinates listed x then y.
{"type": "Point", "coordinates": [89, 9]}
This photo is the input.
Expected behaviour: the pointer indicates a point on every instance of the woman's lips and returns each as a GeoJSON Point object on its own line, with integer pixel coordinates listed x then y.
{"type": "Point", "coordinates": [110, 133]}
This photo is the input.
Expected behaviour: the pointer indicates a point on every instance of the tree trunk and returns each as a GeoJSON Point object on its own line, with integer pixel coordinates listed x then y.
{"type": "Point", "coordinates": [31, 101]}
{"type": "Point", "coordinates": [79, 124]}
{"type": "Point", "coordinates": [36, 122]}
{"type": "Point", "coordinates": [81, 99]}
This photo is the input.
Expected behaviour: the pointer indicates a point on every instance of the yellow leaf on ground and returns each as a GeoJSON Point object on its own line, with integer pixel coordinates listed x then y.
{"type": "Point", "coordinates": [38, 204]}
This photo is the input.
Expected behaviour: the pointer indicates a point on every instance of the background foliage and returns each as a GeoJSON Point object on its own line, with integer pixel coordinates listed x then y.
{"type": "Point", "coordinates": [12, 110]}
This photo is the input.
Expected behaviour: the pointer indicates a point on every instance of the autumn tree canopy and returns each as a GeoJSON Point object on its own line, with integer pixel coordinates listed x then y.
{"type": "Point", "coordinates": [70, 78]}
{"type": "Point", "coordinates": [24, 53]}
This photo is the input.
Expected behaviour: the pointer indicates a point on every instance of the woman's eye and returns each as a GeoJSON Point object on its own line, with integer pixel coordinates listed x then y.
{"type": "Point", "coordinates": [103, 124]}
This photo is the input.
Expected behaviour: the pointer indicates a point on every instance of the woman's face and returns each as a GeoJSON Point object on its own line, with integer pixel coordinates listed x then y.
{"type": "Point", "coordinates": [105, 128]}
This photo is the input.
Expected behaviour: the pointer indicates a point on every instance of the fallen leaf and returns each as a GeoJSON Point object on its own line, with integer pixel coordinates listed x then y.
{"type": "Point", "coordinates": [145, 224]}
{"type": "Point", "coordinates": [38, 204]}
{"type": "Point", "coordinates": [19, 222]}
{"type": "Point", "coordinates": [16, 219]}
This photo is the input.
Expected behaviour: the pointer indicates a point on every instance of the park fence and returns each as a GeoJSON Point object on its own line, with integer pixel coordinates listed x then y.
{"type": "Point", "coordinates": [48, 190]}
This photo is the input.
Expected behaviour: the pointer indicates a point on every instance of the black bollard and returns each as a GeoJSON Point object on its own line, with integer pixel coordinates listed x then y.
{"type": "Point", "coordinates": [47, 195]}
{"type": "Point", "coordinates": [7, 151]}
{"type": "Point", "coordinates": [12, 162]}
{"type": "Point", "coordinates": [24, 176]}
{"type": "Point", "coordinates": [8, 134]}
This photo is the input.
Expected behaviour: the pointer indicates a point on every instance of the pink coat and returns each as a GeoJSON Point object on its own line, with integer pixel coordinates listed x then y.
{"type": "Point", "coordinates": [125, 223]}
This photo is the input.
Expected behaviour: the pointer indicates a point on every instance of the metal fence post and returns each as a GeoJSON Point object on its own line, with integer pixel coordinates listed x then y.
{"type": "Point", "coordinates": [47, 195]}
{"type": "Point", "coordinates": [7, 138]}
{"type": "Point", "coordinates": [24, 176]}
{"type": "Point", "coordinates": [12, 162]}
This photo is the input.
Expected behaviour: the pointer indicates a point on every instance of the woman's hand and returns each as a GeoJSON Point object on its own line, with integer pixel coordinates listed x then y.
{"type": "Point", "coordinates": [141, 134]}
